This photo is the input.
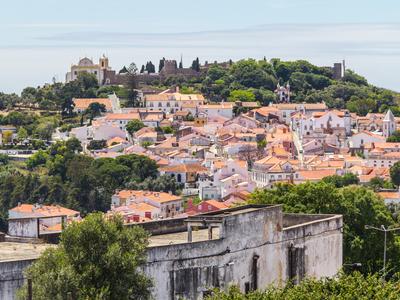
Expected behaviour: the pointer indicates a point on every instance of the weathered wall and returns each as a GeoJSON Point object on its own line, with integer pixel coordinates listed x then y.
{"type": "Point", "coordinates": [252, 253]}
{"type": "Point", "coordinates": [23, 227]}
{"type": "Point", "coordinates": [12, 277]}
{"type": "Point", "coordinates": [322, 243]}
{"type": "Point", "coordinates": [164, 226]}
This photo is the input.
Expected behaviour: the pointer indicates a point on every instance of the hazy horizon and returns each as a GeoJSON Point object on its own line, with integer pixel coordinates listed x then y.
{"type": "Point", "coordinates": [42, 40]}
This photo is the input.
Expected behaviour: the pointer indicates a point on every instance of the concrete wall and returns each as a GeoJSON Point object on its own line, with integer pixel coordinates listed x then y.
{"type": "Point", "coordinates": [23, 227]}
{"type": "Point", "coordinates": [12, 277]}
{"type": "Point", "coordinates": [252, 252]}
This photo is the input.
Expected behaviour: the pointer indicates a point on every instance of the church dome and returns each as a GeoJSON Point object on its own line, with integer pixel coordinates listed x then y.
{"type": "Point", "coordinates": [85, 62]}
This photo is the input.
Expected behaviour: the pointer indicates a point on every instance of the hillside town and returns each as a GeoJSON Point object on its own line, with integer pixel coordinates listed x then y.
{"type": "Point", "coordinates": [252, 188]}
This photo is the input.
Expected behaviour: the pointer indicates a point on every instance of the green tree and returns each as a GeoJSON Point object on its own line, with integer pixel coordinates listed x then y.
{"type": "Point", "coordinates": [140, 166]}
{"type": "Point", "coordinates": [95, 109]}
{"type": "Point", "coordinates": [22, 134]}
{"type": "Point", "coordinates": [73, 269]}
{"type": "Point", "coordinates": [341, 181]}
{"type": "Point", "coordinates": [351, 76]}
{"type": "Point", "coordinates": [394, 138]}
{"type": "Point", "coordinates": [73, 145]}
{"type": "Point", "coordinates": [45, 130]}
{"type": "Point", "coordinates": [150, 68]}
{"type": "Point", "coordinates": [7, 136]}
{"type": "Point", "coordinates": [131, 84]}
{"type": "Point", "coordinates": [242, 95]}
{"type": "Point", "coordinates": [359, 206]}
{"type": "Point", "coordinates": [4, 159]}
{"type": "Point", "coordinates": [378, 183]}
{"type": "Point", "coordinates": [196, 65]}
{"type": "Point", "coordinates": [97, 144]}
{"type": "Point", "coordinates": [161, 64]}
{"type": "Point", "coordinates": [37, 159]}
{"type": "Point", "coordinates": [133, 126]}
{"type": "Point", "coordinates": [395, 173]}
{"type": "Point", "coordinates": [163, 183]}
{"type": "Point", "coordinates": [351, 286]}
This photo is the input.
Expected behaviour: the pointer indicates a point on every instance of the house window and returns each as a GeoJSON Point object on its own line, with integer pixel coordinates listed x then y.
{"type": "Point", "coordinates": [159, 104]}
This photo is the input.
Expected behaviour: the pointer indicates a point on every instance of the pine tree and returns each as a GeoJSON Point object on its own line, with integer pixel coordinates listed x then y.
{"type": "Point", "coordinates": [161, 64]}
{"type": "Point", "coordinates": [150, 68]}
{"type": "Point", "coordinates": [196, 65]}
{"type": "Point", "coordinates": [142, 69]}
{"type": "Point", "coordinates": [180, 65]}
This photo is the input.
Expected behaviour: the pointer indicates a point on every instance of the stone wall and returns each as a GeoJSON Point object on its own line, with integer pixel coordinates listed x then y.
{"type": "Point", "coordinates": [12, 277]}
{"type": "Point", "coordinates": [253, 251]}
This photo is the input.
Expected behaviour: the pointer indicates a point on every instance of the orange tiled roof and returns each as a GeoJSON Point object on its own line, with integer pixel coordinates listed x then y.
{"type": "Point", "coordinates": [116, 139]}
{"type": "Point", "coordinates": [184, 168]}
{"type": "Point", "coordinates": [121, 116]}
{"type": "Point", "coordinates": [174, 97]}
{"type": "Point", "coordinates": [316, 174]}
{"type": "Point", "coordinates": [389, 195]}
{"type": "Point", "coordinates": [83, 103]}
{"type": "Point", "coordinates": [155, 196]}
{"type": "Point", "coordinates": [44, 210]}
{"type": "Point", "coordinates": [221, 105]}
{"type": "Point", "coordinates": [215, 203]}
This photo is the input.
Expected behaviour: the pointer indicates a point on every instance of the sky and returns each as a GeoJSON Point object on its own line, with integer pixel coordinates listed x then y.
{"type": "Point", "coordinates": [41, 39]}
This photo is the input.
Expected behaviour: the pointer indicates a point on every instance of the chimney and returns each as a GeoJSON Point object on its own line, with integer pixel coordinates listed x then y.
{"type": "Point", "coordinates": [147, 214]}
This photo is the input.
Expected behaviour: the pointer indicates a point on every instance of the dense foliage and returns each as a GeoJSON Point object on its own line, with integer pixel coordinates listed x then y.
{"type": "Point", "coordinates": [359, 206]}
{"type": "Point", "coordinates": [345, 287]}
{"type": "Point", "coordinates": [59, 175]}
{"type": "Point", "coordinates": [244, 80]}
{"type": "Point", "coordinates": [96, 259]}
{"type": "Point", "coordinates": [251, 80]}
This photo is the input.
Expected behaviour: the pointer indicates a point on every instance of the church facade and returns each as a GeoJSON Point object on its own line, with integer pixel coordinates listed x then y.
{"type": "Point", "coordinates": [103, 72]}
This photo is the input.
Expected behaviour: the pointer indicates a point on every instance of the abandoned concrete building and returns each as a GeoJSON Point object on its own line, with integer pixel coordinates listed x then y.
{"type": "Point", "coordinates": [250, 246]}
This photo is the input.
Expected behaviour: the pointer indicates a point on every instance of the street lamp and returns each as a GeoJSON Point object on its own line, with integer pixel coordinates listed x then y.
{"type": "Point", "coordinates": [385, 231]}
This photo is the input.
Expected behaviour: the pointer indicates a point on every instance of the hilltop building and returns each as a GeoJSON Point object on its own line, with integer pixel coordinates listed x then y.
{"type": "Point", "coordinates": [389, 124]}
{"type": "Point", "coordinates": [103, 72]}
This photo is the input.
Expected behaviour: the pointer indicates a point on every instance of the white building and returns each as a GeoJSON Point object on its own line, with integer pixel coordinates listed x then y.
{"type": "Point", "coordinates": [173, 102]}
{"type": "Point", "coordinates": [217, 110]}
{"type": "Point", "coordinates": [389, 124]}
{"type": "Point", "coordinates": [111, 103]}
{"type": "Point", "coordinates": [86, 65]}
{"type": "Point", "coordinates": [361, 139]}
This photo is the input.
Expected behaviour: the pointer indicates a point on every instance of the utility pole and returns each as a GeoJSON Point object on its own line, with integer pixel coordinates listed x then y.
{"type": "Point", "coordinates": [29, 288]}
{"type": "Point", "coordinates": [385, 231]}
